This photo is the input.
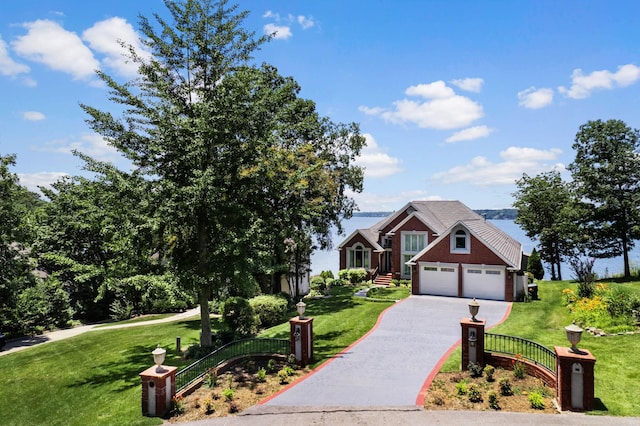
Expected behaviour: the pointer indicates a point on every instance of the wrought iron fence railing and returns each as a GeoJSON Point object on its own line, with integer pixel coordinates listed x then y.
{"type": "Point", "coordinates": [529, 350]}
{"type": "Point", "coordinates": [237, 348]}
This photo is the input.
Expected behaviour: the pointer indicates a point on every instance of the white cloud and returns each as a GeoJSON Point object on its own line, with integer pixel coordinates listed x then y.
{"type": "Point", "coordinates": [61, 50]}
{"type": "Point", "coordinates": [105, 37]}
{"type": "Point", "coordinates": [33, 180]}
{"type": "Point", "coordinates": [436, 90]}
{"type": "Point", "coordinates": [469, 84]}
{"type": "Point", "coordinates": [279, 32]}
{"type": "Point", "coordinates": [533, 98]}
{"type": "Point", "coordinates": [582, 85]}
{"type": "Point", "coordinates": [470, 133]}
{"type": "Point", "coordinates": [442, 110]}
{"type": "Point", "coordinates": [376, 162]}
{"type": "Point", "coordinates": [33, 116]}
{"type": "Point", "coordinates": [515, 161]}
{"type": "Point", "coordinates": [371, 202]}
{"type": "Point", "coordinates": [305, 22]}
{"type": "Point", "coordinates": [91, 144]}
{"type": "Point", "coordinates": [8, 66]}
{"type": "Point", "coordinates": [270, 14]}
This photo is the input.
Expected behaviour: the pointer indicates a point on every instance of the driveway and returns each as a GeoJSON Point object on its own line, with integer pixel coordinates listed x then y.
{"type": "Point", "coordinates": [389, 365]}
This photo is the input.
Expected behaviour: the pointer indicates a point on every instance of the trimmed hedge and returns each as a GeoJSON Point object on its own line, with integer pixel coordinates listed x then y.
{"type": "Point", "coordinates": [270, 309]}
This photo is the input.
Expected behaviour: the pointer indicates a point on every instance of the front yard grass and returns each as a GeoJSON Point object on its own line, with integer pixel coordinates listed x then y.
{"type": "Point", "coordinates": [617, 357]}
{"type": "Point", "coordinates": [93, 378]}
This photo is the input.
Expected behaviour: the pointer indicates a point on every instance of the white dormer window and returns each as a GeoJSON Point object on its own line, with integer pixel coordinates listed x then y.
{"type": "Point", "coordinates": [460, 241]}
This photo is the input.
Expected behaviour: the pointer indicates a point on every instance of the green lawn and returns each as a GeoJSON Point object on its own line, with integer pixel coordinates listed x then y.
{"type": "Point", "coordinates": [617, 357]}
{"type": "Point", "coordinates": [338, 321]}
{"type": "Point", "coordinates": [92, 379]}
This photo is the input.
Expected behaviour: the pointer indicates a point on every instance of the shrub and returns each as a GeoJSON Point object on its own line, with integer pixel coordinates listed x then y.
{"type": "Point", "coordinates": [335, 282]}
{"type": "Point", "coordinates": [473, 393]}
{"type": "Point", "coordinates": [271, 310]}
{"type": "Point", "coordinates": [475, 369]}
{"type": "Point", "coordinates": [461, 387]}
{"type": "Point", "coordinates": [318, 284]}
{"type": "Point", "coordinates": [356, 276]}
{"type": "Point", "coordinates": [535, 265]}
{"type": "Point", "coordinates": [489, 371]}
{"type": "Point", "coordinates": [261, 375]}
{"type": "Point", "coordinates": [271, 366]}
{"type": "Point", "coordinates": [518, 367]}
{"type": "Point", "coordinates": [211, 378]}
{"type": "Point", "coordinates": [283, 376]}
{"type": "Point", "coordinates": [505, 386]}
{"type": "Point", "coordinates": [177, 405]}
{"type": "Point", "coordinates": [326, 275]}
{"type": "Point", "coordinates": [238, 316]}
{"type": "Point", "coordinates": [494, 404]}
{"type": "Point", "coordinates": [536, 400]}
{"type": "Point", "coordinates": [228, 393]}
{"type": "Point", "coordinates": [583, 273]}
{"type": "Point", "coordinates": [343, 274]}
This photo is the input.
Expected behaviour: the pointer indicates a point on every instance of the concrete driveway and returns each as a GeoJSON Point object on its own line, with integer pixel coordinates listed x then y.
{"type": "Point", "coordinates": [389, 366]}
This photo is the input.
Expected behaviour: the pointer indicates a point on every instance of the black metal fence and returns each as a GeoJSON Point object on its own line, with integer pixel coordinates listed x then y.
{"type": "Point", "coordinates": [238, 348]}
{"type": "Point", "coordinates": [529, 350]}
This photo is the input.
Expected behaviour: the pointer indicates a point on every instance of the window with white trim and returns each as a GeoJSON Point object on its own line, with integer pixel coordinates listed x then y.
{"type": "Point", "coordinates": [412, 243]}
{"type": "Point", "coordinates": [460, 241]}
{"type": "Point", "coordinates": [358, 257]}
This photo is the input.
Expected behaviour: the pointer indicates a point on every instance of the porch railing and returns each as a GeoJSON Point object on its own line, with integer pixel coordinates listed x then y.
{"type": "Point", "coordinates": [529, 350]}
{"type": "Point", "coordinates": [237, 348]}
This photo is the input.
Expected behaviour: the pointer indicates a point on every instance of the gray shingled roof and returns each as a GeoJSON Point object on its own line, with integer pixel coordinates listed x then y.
{"type": "Point", "coordinates": [442, 215]}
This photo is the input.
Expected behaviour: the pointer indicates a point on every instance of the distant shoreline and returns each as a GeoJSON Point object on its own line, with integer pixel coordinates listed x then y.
{"type": "Point", "coordinates": [506, 214]}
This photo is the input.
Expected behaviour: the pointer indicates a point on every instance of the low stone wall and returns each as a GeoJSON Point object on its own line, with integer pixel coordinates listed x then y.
{"type": "Point", "coordinates": [506, 362]}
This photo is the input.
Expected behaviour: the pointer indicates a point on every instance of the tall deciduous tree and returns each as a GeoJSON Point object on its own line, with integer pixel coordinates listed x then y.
{"type": "Point", "coordinates": [236, 161]}
{"type": "Point", "coordinates": [544, 205]}
{"type": "Point", "coordinates": [16, 208]}
{"type": "Point", "coordinates": [606, 172]}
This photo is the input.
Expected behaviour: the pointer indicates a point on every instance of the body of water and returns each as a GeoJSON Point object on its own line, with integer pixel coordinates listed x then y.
{"type": "Point", "coordinates": [329, 260]}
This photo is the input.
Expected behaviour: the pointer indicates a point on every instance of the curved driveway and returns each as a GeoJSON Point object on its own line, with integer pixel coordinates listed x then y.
{"type": "Point", "coordinates": [389, 365]}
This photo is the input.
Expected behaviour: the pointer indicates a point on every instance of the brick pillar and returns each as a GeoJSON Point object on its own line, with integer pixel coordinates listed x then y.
{"type": "Point", "coordinates": [301, 339]}
{"type": "Point", "coordinates": [158, 387]}
{"type": "Point", "coordinates": [472, 341]}
{"type": "Point", "coordinates": [575, 387]}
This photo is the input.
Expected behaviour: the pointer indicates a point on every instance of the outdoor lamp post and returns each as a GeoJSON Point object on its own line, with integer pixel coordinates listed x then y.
{"type": "Point", "coordinates": [158, 357]}
{"type": "Point", "coordinates": [301, 306]}
{"type": "Point", "coordinates": [474, 307]}
{"type": "Point", "coordinates": [574, 334]}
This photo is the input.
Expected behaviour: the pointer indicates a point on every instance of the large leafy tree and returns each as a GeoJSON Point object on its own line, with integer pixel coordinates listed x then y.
{"type": "Point", "coordinates": [235, 160]}
{"type": "Point", "coordinates": [606, 173]}
{"type": "Point", "coordinates": [17, 207]}
{"type": "Point", "coordinates": [545, 211]}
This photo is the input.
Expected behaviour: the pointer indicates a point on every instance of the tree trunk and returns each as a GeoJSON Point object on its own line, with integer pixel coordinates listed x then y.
{"type": "Point", "coordinates": [625, 254]}
{"type": "Point", "coordinates": [203, 286]}
{"type": "Point", "coordinates": [205, 319]}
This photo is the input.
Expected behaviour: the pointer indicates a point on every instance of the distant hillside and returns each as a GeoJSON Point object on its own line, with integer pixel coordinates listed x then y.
{"type": "Point", "coordinates": [509, 214]}
{"type": "Point", "coordinates": [498, 214]}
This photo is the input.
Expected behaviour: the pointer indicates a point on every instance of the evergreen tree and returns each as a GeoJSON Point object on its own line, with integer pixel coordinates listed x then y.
{"type": "Point", "coordinates": [535, 265]}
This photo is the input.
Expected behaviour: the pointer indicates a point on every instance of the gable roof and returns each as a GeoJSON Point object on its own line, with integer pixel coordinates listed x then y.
{"type": "Point", "coordinates": [503, 245]}
{"type": "Point", "coordinates": [442, 216]}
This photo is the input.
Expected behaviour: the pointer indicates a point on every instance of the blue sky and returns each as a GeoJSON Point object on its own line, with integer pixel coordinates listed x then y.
{"type": "Point", "coordinates": [457, 98]}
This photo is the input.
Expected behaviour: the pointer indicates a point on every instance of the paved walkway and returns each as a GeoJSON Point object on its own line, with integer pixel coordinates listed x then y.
{"type": "Point", "coordinates": [390, 365]}
{"type": "Point", "coordinates": [15, 345]}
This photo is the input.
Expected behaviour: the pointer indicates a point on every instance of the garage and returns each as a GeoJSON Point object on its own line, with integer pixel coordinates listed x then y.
{"type": "Point", "coordinates": [483, 281]}
{"type": "Point", "coordinates": [439, 279]}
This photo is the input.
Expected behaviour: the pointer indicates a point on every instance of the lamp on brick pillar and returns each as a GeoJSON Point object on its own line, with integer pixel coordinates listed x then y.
{"type": "Point", "coordinates": [472, 337]}
{"type": "Point", "coordinates": [158, 385]}
{"type": "Point", "coordinates": [301, 337]}
{"type": "Point", "coordinates": [574, 334]}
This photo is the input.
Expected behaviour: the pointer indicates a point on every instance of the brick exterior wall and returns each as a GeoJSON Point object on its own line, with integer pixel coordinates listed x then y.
{"type": "Point", "coordinates": [375, 257]}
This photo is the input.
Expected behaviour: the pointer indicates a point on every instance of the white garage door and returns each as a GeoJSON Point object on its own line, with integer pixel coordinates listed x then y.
{"type": "Point", "coordinates": [439, 279]}
{"type": "Point", "coordinates": [483, 281]}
